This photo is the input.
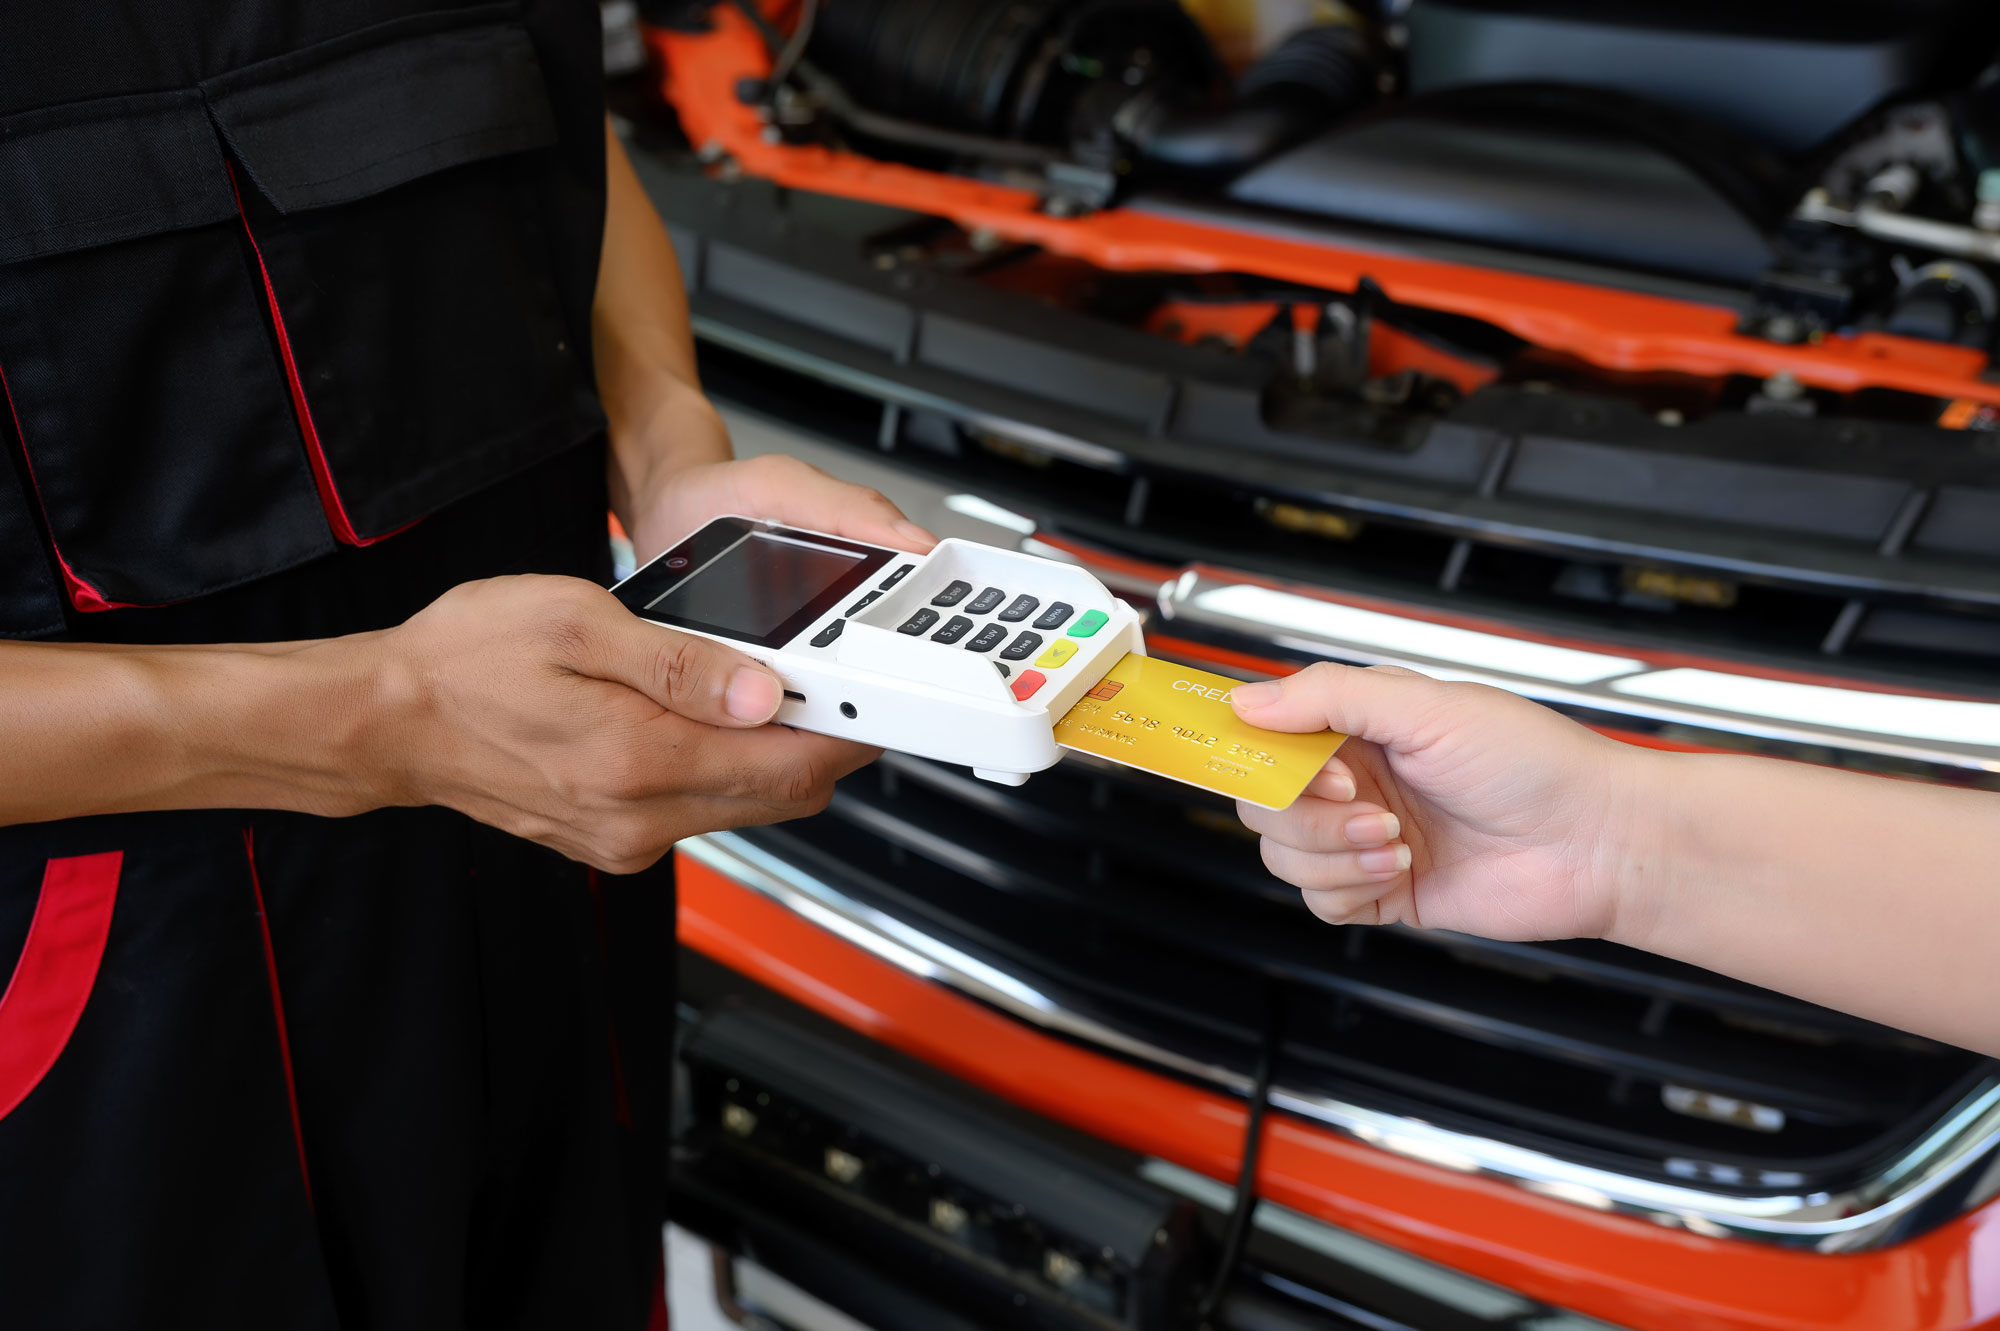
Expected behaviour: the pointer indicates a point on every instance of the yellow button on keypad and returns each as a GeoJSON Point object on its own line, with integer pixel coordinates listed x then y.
{"type": "Point", "coordinates": [1059, 651]}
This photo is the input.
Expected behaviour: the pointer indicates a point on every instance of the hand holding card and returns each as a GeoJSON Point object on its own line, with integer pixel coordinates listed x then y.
{"type": "Point", "coordinates": [1176, 721]}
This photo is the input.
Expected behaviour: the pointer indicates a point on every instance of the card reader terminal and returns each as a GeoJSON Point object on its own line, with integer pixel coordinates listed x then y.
{"type": "Point", "coordinates": [968, 654]}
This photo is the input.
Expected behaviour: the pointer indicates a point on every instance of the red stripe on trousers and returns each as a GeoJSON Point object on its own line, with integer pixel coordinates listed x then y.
{"type": "Point", "coordinates": [278, 1011]}
{"type": "Point", "coordinates": [58, 966]}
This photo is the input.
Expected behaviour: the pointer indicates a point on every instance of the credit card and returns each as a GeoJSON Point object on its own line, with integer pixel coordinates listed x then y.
{"type": "Point", "coordinates": [1175, 721]}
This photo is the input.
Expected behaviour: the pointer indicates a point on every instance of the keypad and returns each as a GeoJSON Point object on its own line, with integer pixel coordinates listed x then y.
{"type": "Point", "coordinates": [1025, 686]}
{"type": "Point", "coordinates": [862, 604]}
{"type": "Point", "coordinates": [829, 633]}
{"type": "Point", "coordinates": [1056, 615]}
{"type": "Point", "coordinates": [1059, 651]}
{"type": "Point", "coordinates": [953, 594]}
{"type": "Point", "coordinates": [985, 601]}
{"type": "Point", "coordinates": [1088, 623]}
{"type": "Point", "coordinates": [987, 639]}
{"type": "Point", "coordinates": [897, 576]}
{"type": "Point", "coordinates": [1022, 647]}
{"type": "Point", "coordinates": [918, 622]}
{"type": "Point", "coordinates": [954, 629]}
{"type": "Point", "coordinates": [1023, 607]}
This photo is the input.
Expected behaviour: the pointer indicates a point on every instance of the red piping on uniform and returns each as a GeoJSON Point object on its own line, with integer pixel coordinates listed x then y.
{"type": "Point", "coordinates": [278, 1012]}
{"type": "Point", "coordinates": [81, 594]}
{"type": "Point", "coordinates": [329, 497]}
{"type": "Point", "coordinates": [656, 1304]}
{"type": "Point", "coordinates": [58, 967]}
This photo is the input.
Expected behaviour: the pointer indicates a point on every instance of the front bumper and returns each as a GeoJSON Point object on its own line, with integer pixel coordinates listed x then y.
{"type": "Point", "coordinates": [1453, 1230]}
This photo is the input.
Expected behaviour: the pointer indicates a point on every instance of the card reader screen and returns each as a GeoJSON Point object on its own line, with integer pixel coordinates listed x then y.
{"type": "Point", "coordinates": [756, 586]}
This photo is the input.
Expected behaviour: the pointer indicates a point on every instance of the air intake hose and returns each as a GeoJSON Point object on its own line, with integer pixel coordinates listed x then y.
{"type": "Point", "coordinates": [1313, 79]}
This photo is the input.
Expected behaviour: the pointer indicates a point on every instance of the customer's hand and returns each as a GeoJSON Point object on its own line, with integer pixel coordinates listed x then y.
{"type": "Point", "coordinates": [772, 486]}
{"type": "Point", "coordinates": [542, 706]}
{"type": "Point", "coordinates": [1453, 806]}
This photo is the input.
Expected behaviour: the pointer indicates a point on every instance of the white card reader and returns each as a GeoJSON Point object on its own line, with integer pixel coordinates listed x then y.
{"type": "Point", "coordinates": [968, 654]}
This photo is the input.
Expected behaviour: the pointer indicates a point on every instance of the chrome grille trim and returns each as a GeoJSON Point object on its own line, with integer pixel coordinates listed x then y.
{"type": "Point", "coordinates": [1192, 598]}
{"type": "Point", "coordinates": [1889, 1205]}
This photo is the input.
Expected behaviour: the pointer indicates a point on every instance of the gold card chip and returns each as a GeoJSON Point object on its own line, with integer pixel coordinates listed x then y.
{"type": "Point", "coordinates": [1175, 721]}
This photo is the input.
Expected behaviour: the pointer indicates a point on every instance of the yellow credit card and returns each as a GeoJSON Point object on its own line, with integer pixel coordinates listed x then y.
{"type": "Point", "coordinates": [1175, 721]}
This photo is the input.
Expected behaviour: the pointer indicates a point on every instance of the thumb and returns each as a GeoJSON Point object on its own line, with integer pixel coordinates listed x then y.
{"type": "Point", "coordinates": [1384, 705]}
{"type": "Point", "coordinates": [692, 677]}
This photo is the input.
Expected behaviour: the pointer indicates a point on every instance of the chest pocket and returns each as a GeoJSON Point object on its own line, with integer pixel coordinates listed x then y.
{"type": "Point", "coordinates": [305, 303]}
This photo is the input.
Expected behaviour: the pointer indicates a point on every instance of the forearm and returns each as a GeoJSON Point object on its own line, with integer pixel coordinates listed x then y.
{"type": "Point", "coordinates": [1874, 896]}
{"type": "Point", "coordinates": [90, 729]}
{"type": "Point", "coordinates": [643, 347]}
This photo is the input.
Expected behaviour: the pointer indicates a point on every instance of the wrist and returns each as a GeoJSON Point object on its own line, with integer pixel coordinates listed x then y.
{"type": "Point", "coordinates": [669, 428]}
{"type": "Point", "coordinates": [277, 726]}
{"type": "Point", "coordinates": [1640, 853]}
{"type": "Point", "coordinates": [385, 736]}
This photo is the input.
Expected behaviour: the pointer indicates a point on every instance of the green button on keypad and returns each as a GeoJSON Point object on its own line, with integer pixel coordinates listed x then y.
{"type": "Point", "coordinates": [1088, 623]}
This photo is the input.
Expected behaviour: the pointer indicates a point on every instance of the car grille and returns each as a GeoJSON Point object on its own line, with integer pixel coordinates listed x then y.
{"type": "Point", "coordinates": [1145, 907]}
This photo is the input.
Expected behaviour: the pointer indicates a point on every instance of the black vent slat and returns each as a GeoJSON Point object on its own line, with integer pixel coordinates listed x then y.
{"type": "Point", "coordinates": [1196, 838]}
{"type": "Point", "coordinates": [1584, 1028]}
{"type": "Point", "coordinates": [1853, 508]}
{"type": "Point", "coordinates": [1185, 1004]}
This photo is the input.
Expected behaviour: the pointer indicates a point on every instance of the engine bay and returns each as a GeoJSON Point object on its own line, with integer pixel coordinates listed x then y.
{"type": "Point", "coordinates": [1829, 203]}
{"type": "Point", "coordinates": [1095, 269]}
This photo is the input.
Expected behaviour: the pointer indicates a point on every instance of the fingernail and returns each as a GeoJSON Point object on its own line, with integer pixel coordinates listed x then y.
{"type": "Point", "coordinates": [753, 696]}
{"type": "Point", "coordinates": [1338, 786]}
{"type": "Point", "coordinates": [1260, 693]}
{"type": "Point", "coordinates": [914, 534]}
{"type": "Point", "coordinates": [1371, 829]}
{"type": "Point", "coordinates": [1389, 859]}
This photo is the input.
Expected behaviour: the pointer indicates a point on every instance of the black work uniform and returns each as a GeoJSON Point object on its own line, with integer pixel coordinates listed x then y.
{"type": "Point", "coordinates": [294, 317]}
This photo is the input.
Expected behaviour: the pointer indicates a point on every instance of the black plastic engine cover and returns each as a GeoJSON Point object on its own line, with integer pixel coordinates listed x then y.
{"type": "Point", "coordinates": [1583, 192]}
{"type": "Point", "coordinates": [1790, 74]}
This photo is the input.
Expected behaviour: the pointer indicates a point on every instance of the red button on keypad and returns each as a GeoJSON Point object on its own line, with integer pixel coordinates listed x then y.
{"type": "Point", "coordinates": [1030, 680]}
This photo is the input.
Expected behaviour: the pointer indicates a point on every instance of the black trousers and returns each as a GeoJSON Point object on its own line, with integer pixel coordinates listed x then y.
{"type": "Point", "coordinates": [398, 1071]}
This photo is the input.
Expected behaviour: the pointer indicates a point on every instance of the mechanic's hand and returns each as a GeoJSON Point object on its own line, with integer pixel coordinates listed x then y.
{"type": "Point", "coordinates": [542, 706]}
{"type": "Point", "coordinates": [1452, 806]}
{"type": "Point", "coordinates": [772, 486]}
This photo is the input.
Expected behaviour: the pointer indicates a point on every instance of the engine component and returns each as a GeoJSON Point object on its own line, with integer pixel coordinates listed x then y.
{"type": "Point", "coordinates": [1793, 76]}
{"type": "Point", "coordinates": [1944, 302]}
{"type": "Point", "coordinates": [1126, 86]}
{"type": "Point", "coordinates": [1986, 215]}
{"type": "Point", "coordinates": [1310, 81]}
{"type": "Point", "coordinates": [1011, 69]}
{"type": "Point", "coordinates": [1823, 274]}
{"type": "Point", "coordinates": [1889, 158]}
{"type": "Point", "coordinates": [1921, 233]}
{"type": "Point", "coordinates": [1543, 186]}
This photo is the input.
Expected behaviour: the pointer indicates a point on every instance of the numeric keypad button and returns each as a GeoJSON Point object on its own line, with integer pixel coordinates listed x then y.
{"type": "Point", "coordinates": [1022, 647]}
{"type": "Point", "coordinates": [1023, 607]}
{"type": "Point", "coordinates": [987, 639]}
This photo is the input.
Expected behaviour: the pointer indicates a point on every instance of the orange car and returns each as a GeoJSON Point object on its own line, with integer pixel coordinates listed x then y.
{"type": "Point", "coordinates": [1637, 358]}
